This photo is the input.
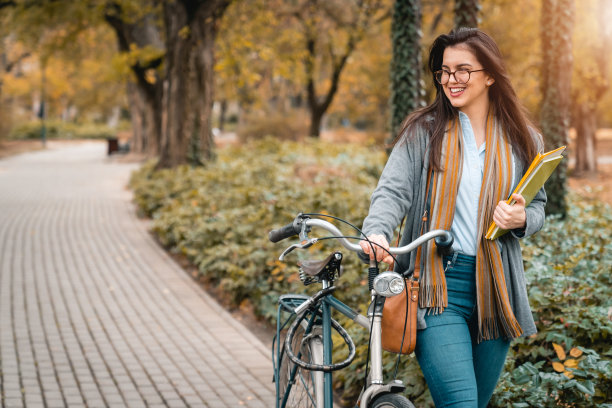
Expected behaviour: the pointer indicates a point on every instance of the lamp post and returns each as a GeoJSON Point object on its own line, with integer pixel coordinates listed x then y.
{"type": "Point", "coordinates": [42, 110]}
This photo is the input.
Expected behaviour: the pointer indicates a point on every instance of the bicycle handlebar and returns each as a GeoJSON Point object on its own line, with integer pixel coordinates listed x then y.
{"type": "Point", "coordinates": [287, 231]}
{"type": "Point", "coordinates": [292, 229]}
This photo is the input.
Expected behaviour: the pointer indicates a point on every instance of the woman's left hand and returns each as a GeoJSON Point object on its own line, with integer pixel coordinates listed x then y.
{"type": "Point", "coordinates": [508, 216]}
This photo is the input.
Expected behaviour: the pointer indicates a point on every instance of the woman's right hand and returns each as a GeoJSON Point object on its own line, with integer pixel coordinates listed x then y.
{"type": "Point", "coordinates": [380, 253]}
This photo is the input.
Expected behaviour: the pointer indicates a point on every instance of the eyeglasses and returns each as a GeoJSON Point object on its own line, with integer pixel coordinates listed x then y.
{"type": "Point", "coordinates": [462, 76]}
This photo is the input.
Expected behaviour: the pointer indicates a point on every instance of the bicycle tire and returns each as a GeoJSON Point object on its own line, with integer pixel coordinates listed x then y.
{"type": "Point", "coordinates": [320, 367]}
{"type": "Point", "coordinates": [390, 401]}
{"type": "Point", "coordinates": [303, 390]}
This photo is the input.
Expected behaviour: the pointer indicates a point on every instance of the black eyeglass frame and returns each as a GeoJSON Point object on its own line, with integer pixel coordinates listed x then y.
{"type": "Point", "coordinates": [442, 71]}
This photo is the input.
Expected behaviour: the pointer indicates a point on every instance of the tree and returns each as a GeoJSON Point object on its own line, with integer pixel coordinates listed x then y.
{"type": "Point", "coordinates": [557, 25]}
{"type": "Point", "coordinates": [175, 102]}
{"type": "Point", "coordinates": [466, 13]}
{"type": "Point", "coordinates": [190, 31]}
{"type": "Point", "coordinates": [406, 84]}
{"type": "Point", "coordinates": [257, 53]}
{"type": "Point", "coordinates": [139, 40]}
{"type": "Point", "coordinates": [74, 52]}
{"type": "Point", "coordinates": [591, 83]}
{"type": "Point", "coordinates": [330, 31]}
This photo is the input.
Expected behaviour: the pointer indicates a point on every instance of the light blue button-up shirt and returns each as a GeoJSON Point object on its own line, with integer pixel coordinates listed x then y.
{"type": "Point", "coordinates": [465, 223]}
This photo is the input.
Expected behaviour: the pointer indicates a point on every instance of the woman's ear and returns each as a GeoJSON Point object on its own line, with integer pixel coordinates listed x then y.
{"type": "Point", "coordinates": [490, 81]}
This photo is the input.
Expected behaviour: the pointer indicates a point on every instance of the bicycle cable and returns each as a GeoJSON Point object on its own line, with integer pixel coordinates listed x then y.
{"type": "Point", "coordinates": [399, 355]}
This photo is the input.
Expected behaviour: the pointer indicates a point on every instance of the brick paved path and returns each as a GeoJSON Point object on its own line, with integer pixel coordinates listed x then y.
{"type": "Point", "coordinates": [93, 313]}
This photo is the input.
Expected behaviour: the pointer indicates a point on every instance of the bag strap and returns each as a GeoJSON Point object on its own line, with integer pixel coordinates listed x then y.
{"type": "Point", "coordinates": [424, 219]}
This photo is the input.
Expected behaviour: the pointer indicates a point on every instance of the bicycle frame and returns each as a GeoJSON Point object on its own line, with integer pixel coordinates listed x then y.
{"type": "Point", "coordinates": [323, 380]}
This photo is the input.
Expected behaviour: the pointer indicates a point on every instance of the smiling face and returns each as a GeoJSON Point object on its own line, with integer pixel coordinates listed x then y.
{"type": "Point", "coordinates": [472, 96]}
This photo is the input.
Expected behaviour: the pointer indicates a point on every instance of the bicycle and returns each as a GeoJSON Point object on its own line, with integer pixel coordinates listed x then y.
{"type": "Point", "coordinates": [303, 363]}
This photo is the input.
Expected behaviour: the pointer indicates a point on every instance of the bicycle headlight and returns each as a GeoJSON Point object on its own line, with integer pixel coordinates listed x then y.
{"type": "Point", "coordinates": [389, 284]}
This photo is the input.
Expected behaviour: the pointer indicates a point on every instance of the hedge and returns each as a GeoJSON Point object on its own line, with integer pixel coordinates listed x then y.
{"type": "Point", "coordinates": [57, 129]}
{"type": "Point", "coordinates": [219, 216]}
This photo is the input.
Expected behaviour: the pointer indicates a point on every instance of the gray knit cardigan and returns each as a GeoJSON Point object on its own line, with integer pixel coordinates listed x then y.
{"type": "Point", "coordinates": [401, 192]}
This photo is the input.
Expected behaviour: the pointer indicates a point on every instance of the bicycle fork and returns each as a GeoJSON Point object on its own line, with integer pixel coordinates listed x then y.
{"type": "Point", "coordinates": [376, 383]}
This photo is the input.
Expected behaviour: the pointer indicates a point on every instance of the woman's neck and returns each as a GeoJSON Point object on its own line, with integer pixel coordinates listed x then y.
{"type": "Point", "coordinates": [478, 120]}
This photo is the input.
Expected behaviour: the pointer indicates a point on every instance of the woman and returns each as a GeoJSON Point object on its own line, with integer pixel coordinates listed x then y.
{"type": "Point", "coordinates": [454, 163]}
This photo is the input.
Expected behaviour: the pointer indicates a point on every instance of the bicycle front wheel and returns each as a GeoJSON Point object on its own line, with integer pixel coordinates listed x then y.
{"type": "Point", "coordinates": [303, 388]}
{"type": "Point", "coordinates": [391, 401]}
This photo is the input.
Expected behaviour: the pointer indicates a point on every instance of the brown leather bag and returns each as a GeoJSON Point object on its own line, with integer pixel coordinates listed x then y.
{"type": "Point", "coordinates": [399, 319]}
{"type": "Point", "coordinates": [395, 325]}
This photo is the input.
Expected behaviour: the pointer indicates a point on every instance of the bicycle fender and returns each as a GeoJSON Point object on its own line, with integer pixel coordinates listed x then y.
{"type": "Point", "coordinates": [374, 390]}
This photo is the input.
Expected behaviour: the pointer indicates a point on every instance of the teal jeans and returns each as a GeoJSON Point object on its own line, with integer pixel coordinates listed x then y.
{"type": "Point", "coordinates": [459, 371]}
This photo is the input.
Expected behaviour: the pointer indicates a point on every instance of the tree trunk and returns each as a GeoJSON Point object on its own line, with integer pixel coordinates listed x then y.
{"type": "Point", "coordinates": [406, 84]}
{"type": "Point", "coordinates": [466, 13]}
{"type": "Point", "coordinates": [557, 25]}
{"type": "Point", "coordinates": [222, 114]}
{"type": "Point", "coordinates": [586, 143]}
{"type": "Point", "coordinates": [187, 91]}
{"type": "Point", "coordinates": [145, 101]}
{"type": "Point", "coordinates": [137, 117]}
{"type": "Point", "coordinates": [316, 117]}
{"type": "Point", "coordinates": [316, 106]}
{"type": "Point", "coordinates": [587, 99]}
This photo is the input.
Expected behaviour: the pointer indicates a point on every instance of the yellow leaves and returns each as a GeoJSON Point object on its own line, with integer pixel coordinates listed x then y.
{"type": "Point", "coordinates": [80, 72]}
{"type": "Point", "coordinates": [184, 32]}
{"type": "Point", "coordinates": [575, 352]}
{"type": "Point", "coordinates": [277, 272]}
{"type": "Point", "coordinates": [559, 367]}
{"type": "Point", "coordinates": [563, 365]}
{"type": "Point", "coordinates": [559, 350]}
{"type": "Point", "coordinates": [150, 76]}
{"type": "Point", "coordinates": [143, 55]}
{"type": "Point", "coordinates": [571, 363]}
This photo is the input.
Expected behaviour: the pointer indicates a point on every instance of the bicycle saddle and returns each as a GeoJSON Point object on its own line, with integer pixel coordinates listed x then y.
{"type": "Point", "coordinates": [330, 264]}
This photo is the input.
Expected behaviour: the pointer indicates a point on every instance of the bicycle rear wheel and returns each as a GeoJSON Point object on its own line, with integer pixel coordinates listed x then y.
{"type": "Point", "coordinates": [302, 388]}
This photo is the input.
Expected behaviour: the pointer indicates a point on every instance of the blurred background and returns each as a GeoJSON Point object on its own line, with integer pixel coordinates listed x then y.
{"type": "Point", "coordinates": [290, 69]}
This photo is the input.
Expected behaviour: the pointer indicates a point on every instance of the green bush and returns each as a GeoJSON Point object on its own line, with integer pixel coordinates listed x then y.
{"type": "Point", "coordinates": [219, 217]}
{"type": "Point", "coordinates": [56, 129]}
{"type": "Point", "coordinates": [292, 126]}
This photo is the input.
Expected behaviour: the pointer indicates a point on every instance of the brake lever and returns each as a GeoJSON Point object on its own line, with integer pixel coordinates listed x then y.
{"type": "Point", "coordinates": [301, 245]}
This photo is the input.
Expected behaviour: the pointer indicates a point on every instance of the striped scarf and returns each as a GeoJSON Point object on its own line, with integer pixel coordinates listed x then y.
{"type": "Point", "coordinates": [495, 314]}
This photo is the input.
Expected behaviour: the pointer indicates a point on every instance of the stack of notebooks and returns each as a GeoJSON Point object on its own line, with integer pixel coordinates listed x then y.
{"type": "Point", "coordinates": [536, 175]}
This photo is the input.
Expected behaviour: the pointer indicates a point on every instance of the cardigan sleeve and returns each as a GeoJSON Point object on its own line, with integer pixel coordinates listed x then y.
{"type": "Point", "coordinates": [534, 216]}
{"type": "Point", "coordinates": [392, 196]}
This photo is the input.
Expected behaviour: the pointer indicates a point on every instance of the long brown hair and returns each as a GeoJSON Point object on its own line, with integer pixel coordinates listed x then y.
{"type": "Point", "coordinates": [503, 99]}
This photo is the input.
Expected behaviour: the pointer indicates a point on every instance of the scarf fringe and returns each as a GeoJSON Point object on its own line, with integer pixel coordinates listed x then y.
{"type": "Point", "coordinates": [433, 297]}
{"type": "Point", "coordinates": [491, 328]}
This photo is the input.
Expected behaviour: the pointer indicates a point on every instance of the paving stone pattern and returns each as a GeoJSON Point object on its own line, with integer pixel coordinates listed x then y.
{"type": "Point", "coordinates": [93, 313]}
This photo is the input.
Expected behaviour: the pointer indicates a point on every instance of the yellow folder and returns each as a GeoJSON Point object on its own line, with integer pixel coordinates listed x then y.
{"type": "Point", "coordinates": [536, 175]}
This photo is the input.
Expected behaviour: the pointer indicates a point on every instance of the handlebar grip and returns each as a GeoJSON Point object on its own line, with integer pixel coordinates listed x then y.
{"type": "Point", "coordinates": [287, 231]}
{"type": "Point", "coordinates": [444, 243]}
